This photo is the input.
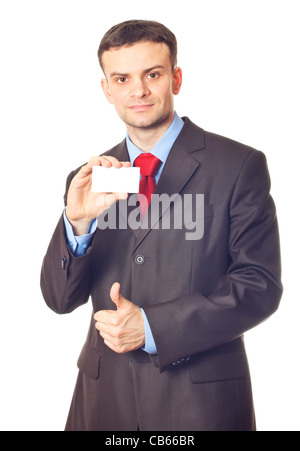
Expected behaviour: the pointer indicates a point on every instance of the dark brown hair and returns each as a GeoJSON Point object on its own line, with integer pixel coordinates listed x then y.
{"type": "Point", "coordinates": [133, 31]}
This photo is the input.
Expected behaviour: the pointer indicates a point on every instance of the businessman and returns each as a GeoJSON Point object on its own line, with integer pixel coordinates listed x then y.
{"type": "Point", "coordinates": [165, 348]}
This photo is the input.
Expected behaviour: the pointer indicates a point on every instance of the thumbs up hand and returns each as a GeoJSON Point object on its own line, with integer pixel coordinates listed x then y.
{"type": "Point", "coordinates": [122, 329]}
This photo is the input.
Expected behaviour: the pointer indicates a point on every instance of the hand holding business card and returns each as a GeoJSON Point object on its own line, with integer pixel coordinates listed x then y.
{"type": "Point", "coordinates": [115, 180]}
{"type": "Point", "coordinates": [104, 173]}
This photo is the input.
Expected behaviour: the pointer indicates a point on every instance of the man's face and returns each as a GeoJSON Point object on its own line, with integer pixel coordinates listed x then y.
{"type": "Point", "coordinates": [141, 83]}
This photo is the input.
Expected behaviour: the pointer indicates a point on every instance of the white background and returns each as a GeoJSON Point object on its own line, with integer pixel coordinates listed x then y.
{"type": "Point", "coordinates": [240, 60]}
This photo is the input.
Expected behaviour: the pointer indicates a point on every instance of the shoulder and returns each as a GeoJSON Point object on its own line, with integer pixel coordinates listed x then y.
{"type": "Point", "coordinates": [217, 148]}
{"type": "Point", "coordinates": [212, 141]}
{"type": "Point", "coordinates": [222, 158]}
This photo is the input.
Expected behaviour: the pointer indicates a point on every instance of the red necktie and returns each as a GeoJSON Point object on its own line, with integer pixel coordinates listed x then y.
{"type": "Point", "coordinates": [149, 165]}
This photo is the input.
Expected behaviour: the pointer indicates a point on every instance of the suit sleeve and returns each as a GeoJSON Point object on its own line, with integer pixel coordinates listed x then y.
{"type": "Point", "coordinates": [65, 279]}
{"type": "Point", "coordinates": [246, 295]}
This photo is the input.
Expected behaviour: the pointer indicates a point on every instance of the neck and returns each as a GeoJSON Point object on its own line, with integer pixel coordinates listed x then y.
{"type": "Point", "coordinates": [146, 138]}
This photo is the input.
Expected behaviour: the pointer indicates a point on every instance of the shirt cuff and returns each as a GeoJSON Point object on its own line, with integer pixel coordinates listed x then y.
{"type": "Point", "coordinates": [150, 345]}
{"type": "Point", "coordinates": [79, 244]}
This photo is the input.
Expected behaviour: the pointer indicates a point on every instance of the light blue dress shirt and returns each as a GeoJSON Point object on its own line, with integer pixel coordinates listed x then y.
{"type": "Point", "coordinates": [80, 244]}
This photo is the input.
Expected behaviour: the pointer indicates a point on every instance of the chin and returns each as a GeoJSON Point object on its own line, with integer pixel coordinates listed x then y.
{"type": "Point", "coordinates": [148, 124]}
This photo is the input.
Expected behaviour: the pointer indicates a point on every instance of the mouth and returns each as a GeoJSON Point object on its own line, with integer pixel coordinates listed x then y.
{"type": "Point", "coordinates": [142, 107]}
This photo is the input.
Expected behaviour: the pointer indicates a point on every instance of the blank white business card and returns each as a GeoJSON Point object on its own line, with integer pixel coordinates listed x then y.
{"type": "Point", "coordinates": [113, 180]}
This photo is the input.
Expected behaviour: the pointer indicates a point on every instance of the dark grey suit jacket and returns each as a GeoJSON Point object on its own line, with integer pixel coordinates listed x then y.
{"type": "Point", "coordinates": [199, 296]}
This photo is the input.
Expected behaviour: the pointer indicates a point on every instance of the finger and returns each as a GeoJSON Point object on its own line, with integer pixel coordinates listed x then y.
{"type": "Point", "coordinates": [109, 329]}
{"type": "Point", "coordinates": [87, 168]}
{"type": "Point", "coordinates": [126, 164]}
{"type": "Point", "coordinates": [115, 162]}
{"type": "Point", "coordinates": [115, 291]}
{"type": "Point", "coordinates": [115, 339]}
{"type": "Point", "coordinates": [105, 201]}
{"type": "Point", "coordinates": [121, 196]}
{"type": "Point", "coordinates": [103, 316]}
{"type": "Point", "coordinates": [104, 161]}
{"type": "Point", "coordinates": [116, 296]}
{"type": "Point", "coordinates": [119, 349]}
{"type": "Point", "coordinates": [104, 329]}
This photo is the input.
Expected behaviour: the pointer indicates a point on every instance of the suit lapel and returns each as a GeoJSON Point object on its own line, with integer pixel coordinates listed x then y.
{"type": "Point", "coordinates": [182, 163]}
{"type": "Point", "coordinates": [120, 151]}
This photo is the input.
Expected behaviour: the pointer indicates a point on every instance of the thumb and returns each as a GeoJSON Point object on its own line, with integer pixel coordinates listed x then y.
{"type": "Point", "coordinates": [116, 296]}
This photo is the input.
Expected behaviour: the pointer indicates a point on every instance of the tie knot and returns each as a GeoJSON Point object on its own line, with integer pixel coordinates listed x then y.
{"type": "Point", "coordinates": [148, 164]}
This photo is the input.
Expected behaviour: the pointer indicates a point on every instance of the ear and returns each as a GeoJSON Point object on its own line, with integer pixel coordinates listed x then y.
{"type": "Point", "coordinates": [177, 80]}
{"type": "Point", "coordinates": [106, 90]}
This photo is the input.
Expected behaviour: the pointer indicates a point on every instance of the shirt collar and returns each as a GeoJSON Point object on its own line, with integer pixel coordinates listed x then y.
{"type": "Point", "coordinates": [162, 149]}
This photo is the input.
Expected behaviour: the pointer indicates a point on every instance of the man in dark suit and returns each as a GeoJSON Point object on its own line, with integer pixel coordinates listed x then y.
{"type": "Point", "coordinates": [165, 347]}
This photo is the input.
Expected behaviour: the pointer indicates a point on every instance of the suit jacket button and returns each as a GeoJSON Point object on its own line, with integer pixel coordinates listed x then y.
{"type": "Point", "coordinates": [63, 262]}
{"type": "Point", "coordinates": [139, 259]}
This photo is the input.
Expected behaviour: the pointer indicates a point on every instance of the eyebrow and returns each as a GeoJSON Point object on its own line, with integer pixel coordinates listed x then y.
{"type": "Point", "coordinates": [150, 69]}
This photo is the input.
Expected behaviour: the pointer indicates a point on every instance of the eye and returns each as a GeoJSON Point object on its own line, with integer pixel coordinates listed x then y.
{"type": "Point", "coordinates": [121, 80]}
{"type": "Point", "coordinates": [153, 75]}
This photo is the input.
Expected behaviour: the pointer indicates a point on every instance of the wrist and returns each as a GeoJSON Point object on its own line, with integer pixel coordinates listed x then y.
{"type": "Point", "coordinates": [80, 226]}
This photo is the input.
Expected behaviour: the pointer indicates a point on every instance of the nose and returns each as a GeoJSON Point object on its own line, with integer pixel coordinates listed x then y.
{"type": "Point", "coordinates": [139, 88]}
